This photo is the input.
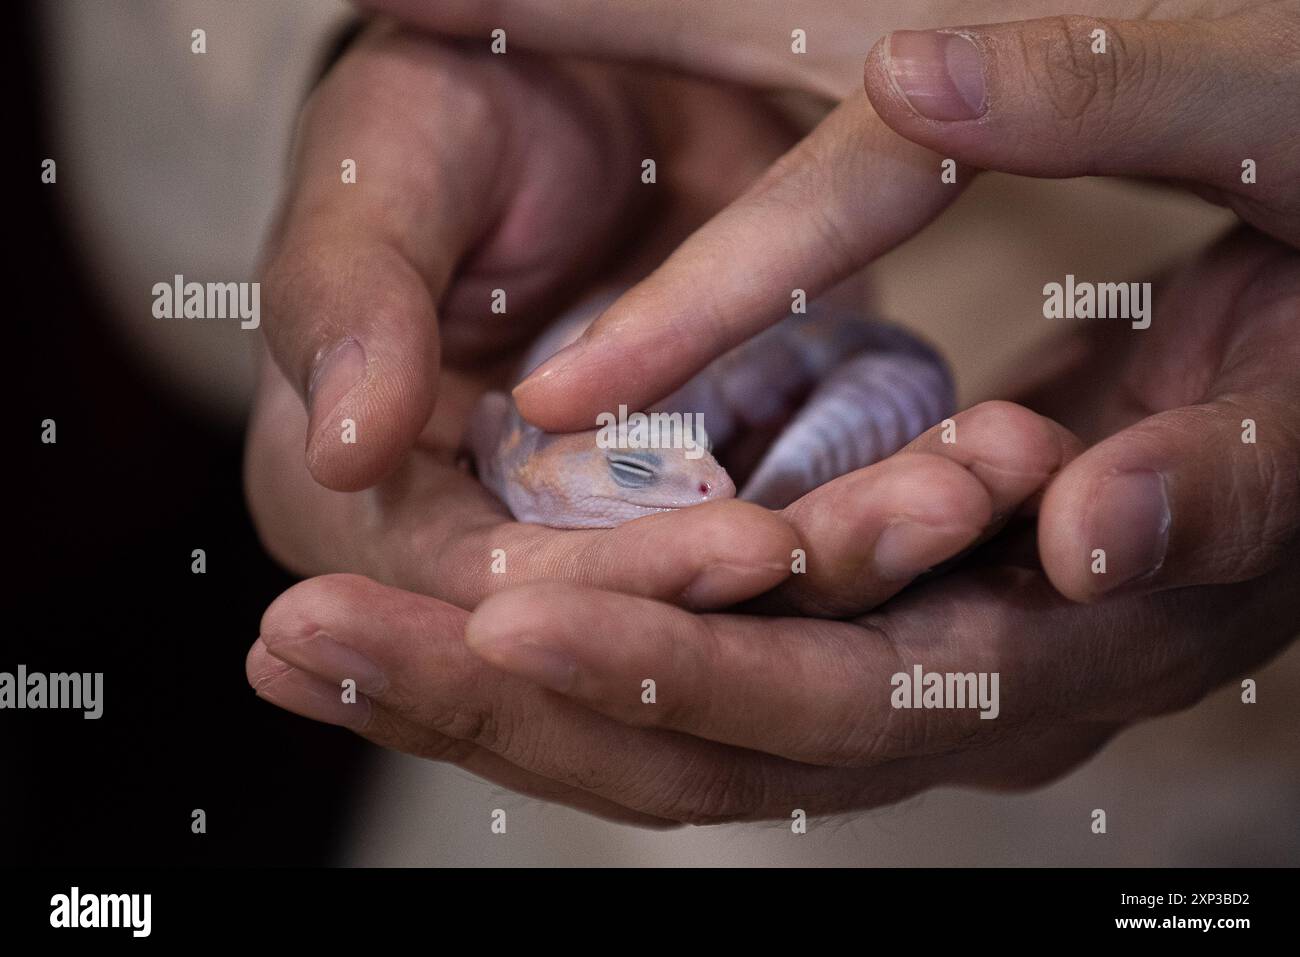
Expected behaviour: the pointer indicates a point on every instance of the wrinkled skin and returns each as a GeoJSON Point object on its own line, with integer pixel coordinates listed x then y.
{"type": "Point", "coordinates": [760, 715]}
{"type": "Point", "coordinates": [539, 688]}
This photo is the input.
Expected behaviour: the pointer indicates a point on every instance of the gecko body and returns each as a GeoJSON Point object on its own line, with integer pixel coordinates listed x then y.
{"type": "Point", "coordinates": [840, 393]}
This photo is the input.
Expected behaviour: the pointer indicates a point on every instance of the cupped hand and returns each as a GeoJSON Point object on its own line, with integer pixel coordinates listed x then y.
{"type": "Point", "coordinates": [543, 687]}
{"type": "Point", "coordinates": [420, 689]}
{"type": "Point", "coordinates": [473, 173]}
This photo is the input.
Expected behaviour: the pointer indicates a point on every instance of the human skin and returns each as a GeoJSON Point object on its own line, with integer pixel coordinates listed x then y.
{"type": "Point", "coordinates": [367, 263]}
{"type": "Point", "coordinates": [744, 41]}
{"type": "Point", "coordinates": [1184, 100]}
{"type": "Point", "coordinates": [1234, 521]}
{"type": "Point", "coordinates": [539, 689]}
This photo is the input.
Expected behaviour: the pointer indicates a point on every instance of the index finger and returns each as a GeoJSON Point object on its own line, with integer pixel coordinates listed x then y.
{"type": "Point", "coordinates": [850, 191]}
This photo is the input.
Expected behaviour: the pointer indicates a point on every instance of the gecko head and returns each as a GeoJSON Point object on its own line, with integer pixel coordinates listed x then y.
{"type": "Point", "coordinates": [577, 484]}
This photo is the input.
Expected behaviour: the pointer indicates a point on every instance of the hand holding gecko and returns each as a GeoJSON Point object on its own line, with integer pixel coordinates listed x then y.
{"type": "Point", "coordinates": [430, 697]}
{"type": "Point", "coordinates": [352, 279]}
{"type": "Point", "coordinates": [540, 688]}
{"type": "Point", "coordinates": [1186, 100]}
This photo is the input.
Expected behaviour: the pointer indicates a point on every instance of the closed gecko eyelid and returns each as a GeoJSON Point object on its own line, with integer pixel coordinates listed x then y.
{"type": "Point", "coordinates": [634, 469]}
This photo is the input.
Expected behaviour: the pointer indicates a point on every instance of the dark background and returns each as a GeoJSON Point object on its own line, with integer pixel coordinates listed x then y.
{"type": "Point", "coordinates": [100, 580]}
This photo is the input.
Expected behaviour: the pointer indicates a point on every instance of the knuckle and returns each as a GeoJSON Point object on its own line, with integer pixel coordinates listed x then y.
{"type": "Point", "coordinates": [1083, 87]}
{"type": "Point", "coordinates": [712, 792]}
{"type": "Point", "coordinates": [867, 736]}
{"type": "Point", "coordinates": [1269, 506]}
{"type": "Point", "coordinates": [1000, 418]}
{"type": "Point", "coordinates": [1012, 438]}
{"type": "Point", "coordinates": [476, 725]}
{"type": "Point", "coordinates": [305, 268]}
{"type": "Point", "coordinates": [307, 607]}
{"type": "Point", "coordinates": [680, 701]}
{"type": "Point", "coordinates": [1277, 467]}
{"type": "Point", "coordinates": [391, 731]}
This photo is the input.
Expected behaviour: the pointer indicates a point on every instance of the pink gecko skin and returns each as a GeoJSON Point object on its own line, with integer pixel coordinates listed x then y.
{"type": "Point", "coordinates": [844, 393]}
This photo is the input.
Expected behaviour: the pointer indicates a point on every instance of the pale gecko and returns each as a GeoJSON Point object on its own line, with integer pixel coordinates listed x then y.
{"type": "Point", "coordinates": [843, 393]}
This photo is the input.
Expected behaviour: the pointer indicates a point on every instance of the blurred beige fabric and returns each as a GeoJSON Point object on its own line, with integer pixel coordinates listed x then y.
{"type": "Point", "coordinates": [171, 162]}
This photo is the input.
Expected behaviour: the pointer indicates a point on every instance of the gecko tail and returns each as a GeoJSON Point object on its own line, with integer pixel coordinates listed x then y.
{"type": "Point", "coordinates": [867, 409]}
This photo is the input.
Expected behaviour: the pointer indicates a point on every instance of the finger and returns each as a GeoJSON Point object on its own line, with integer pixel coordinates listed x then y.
{"type": "Point", "coordinates": [1176, 500]}
{"type": "Point", "coordinates": [304, 694]}
{"type": "Point", "coordinates": [1206, 491]}
{"type": "Point", "coordinates": [847, 193]}
{"type": "Point", "coordinates": [407, 656]}
{"type": "Point", "coordinates": [832, 693]}
{"type": "Point", "coordinates": [1076, 96]}
{"type": "Point", "coordinates": [355, 268]}
{"type": "Point", "coordinates": [809, 690]}
{"type": "Point", "coordinates": [359, 272]}
{"type": "Point", "coordinates": [867, 535]}
{"type": "Point", "coordinates": [433, 529]}
{"type": "Point", "coordinates": [704, 557]}
{"type": "Point", "coordinates": [1012, 450]}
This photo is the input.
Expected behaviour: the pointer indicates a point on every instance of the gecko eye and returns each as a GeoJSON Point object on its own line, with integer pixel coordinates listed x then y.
{"type": "Point", "coordinates": [634, 469]}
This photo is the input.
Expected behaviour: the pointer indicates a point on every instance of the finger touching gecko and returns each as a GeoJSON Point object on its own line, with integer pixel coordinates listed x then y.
{"type": "Point", "coordinates": [868, 534]}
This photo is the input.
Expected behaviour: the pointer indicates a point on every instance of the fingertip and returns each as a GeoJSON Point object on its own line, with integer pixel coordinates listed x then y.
{"type": "Point", "coordinates": [1015, 450]}
{"type": "Point", "coordinates": [316, 603]}
{"type": "Point", "coordinates": [555, 403]}
{"type": "Point", "coordinates": [353, 327]}
{"type": "Point", "coordinates": [875, 71]}
{"type": "Point", "coordinates": [259, 664]}
{"type": "Point", "coordinates": [885, 92]}
{"type": "Point", "coordinates": [1063, 546]}
{"type": "Point", "coordinates": [367, 433]}
{"type": "Point", "coordinates": [515, 611]}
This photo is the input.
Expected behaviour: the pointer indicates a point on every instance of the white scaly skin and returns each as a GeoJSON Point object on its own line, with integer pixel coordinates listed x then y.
{"type": "Point", "coordinates": [845, 393]}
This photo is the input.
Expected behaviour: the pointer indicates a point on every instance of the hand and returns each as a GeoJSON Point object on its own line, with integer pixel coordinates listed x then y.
{"type": "Point", "coordinates": [474, 172]}
{"type": "Point", "coordinates": [758, 716]}
{"type": "Point", "coordinates": [1184, 100]}
{"type": "Point", "coordinates": [747, 43]}
{"type": "Point", "coordinates": [422, 691]}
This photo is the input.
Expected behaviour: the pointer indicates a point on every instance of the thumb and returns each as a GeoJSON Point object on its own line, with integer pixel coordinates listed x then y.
{"type": "Point", "coordinates": [356, 265]}
{"type": "Point", "coordinates": [1077, 96]}
{"type": "Point", "coordinates": [847, 193]}
{"type": "Point", "coordinates": [1202, 493]}
{"type": "Point", "coordinates": [1149, 509]}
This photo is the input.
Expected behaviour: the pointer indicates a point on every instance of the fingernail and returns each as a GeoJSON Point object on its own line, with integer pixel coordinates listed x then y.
{"type": "Point", "coordinates": [329, 659]}
{"type": "Point", "coordinates": [1130, 522]}
{"type": "Point", "coordinates": [303, 694]}
{"type": "Point", "coordinates": [551, 367]}
{"type": "Point", "coordinates": [907, 548]}
{"type": "Point", "coordinates": [336, 373]}
{"type": "Point", "coordinates": [940, 74]}
{"type": "Point", "coordinates": [528, 660]}
{"type": "Point", "coordinates": [725, 583]}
